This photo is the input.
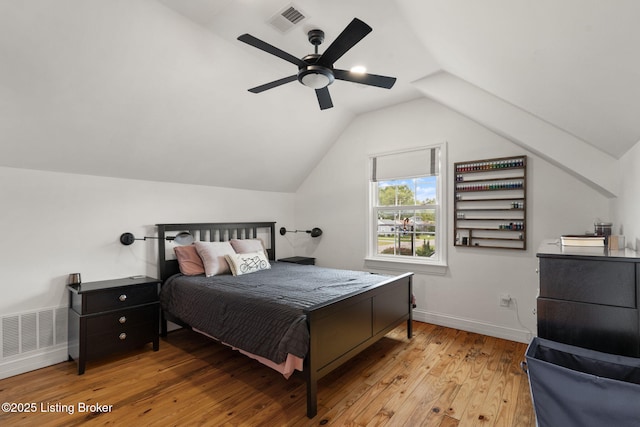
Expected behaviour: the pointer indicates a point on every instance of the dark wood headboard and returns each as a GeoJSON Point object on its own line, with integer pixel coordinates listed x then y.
{"type": "Point", "coordinates": [212, 232]}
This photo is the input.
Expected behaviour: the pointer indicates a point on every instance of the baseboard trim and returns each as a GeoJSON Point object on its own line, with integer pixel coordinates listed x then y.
{"type": "Point", "coordinates": [470, 325]}
{"type": "Point", "coordinates": [34, 361]}
{"type": "Point", "coordinates": [59, 354]}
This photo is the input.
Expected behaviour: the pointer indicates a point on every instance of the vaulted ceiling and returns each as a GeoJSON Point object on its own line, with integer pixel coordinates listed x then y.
{"type": "Point", "coordinates": [157, 89]}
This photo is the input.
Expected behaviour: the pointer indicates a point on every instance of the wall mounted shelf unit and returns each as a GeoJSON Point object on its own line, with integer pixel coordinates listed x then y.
{"type": "Point", "coordinates": [490, 203]}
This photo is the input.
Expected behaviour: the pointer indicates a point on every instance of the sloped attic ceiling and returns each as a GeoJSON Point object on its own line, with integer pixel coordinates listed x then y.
{"type": "Point", "coordinates": [157, 89]}
{"type": "Point", "coordinates": [571, 63]}
{"type": "Point", "coordinates": [135, 89]}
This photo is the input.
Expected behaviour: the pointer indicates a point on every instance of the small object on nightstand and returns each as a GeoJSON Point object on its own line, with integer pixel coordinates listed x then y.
{"type": "Point", "coordinates": [112, 315]}
{"type": "Point", "coordinates": [299, 260]}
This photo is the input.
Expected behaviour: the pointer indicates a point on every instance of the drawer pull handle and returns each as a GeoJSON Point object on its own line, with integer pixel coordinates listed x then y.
{"type": "Point", "coordinates": [122, 336]}
{"type": "Point", "coordinates": [122, 319]}
{"type": "Point", "coordinates": [122, 297]}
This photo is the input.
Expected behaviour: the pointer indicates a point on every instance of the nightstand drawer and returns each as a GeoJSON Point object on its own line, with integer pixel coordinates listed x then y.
{"type": "Point", "coordinates": [122, 320]}
{"type": "Point", "coordinates": [117, 341]}
{"type": "Point", "coordinates": [117, 298]}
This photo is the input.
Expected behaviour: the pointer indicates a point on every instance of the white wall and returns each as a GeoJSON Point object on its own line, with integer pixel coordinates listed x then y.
{"type": "Point", "coordinates": [334, 197]}
{"type": "Point", "coordinates": [54, 224]}
{"type": "Point", "coordinates": [627, 206]}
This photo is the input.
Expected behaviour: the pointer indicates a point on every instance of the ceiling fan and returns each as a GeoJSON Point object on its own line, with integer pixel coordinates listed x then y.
{"type": "Point", "coordinates": [316, 70]}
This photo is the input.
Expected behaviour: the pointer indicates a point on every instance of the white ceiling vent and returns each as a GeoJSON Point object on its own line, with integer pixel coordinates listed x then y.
{"type": "Point", "coordinates": [287, 18]}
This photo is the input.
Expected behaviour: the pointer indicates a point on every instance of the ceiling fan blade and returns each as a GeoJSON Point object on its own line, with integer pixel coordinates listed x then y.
{"type": "Point", "coordinates": [255, 42]}
{"type": "Point", "coordinates": [365, 79]}
{"type": "Point", "coordinates": [273, 84]}
{"type": "Point", "coordinates": [349, 37]}
{"type": "Point", "coordinates": [324, 99]}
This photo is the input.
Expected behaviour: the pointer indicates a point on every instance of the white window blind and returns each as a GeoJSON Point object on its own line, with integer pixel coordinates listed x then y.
{"type": "Point", "coordinates": [406, 164]}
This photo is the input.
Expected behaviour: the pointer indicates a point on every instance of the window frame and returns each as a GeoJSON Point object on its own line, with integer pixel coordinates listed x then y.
{"type": "Point", "coordinates": [429, 265]}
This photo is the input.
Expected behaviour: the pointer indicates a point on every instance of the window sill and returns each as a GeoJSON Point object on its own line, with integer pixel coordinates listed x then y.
{"type": "Point", "coordinates": [403, 265]}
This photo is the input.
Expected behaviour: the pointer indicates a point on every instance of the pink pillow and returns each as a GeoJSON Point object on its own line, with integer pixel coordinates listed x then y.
{"type": "Point", "coordinates": [248, 245]}
{"type": "Point", "coordinates": [212, 254]}
{"type": "Point", "coordinates": [189, 261]}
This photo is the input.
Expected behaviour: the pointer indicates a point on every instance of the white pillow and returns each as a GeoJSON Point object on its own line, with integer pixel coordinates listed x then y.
{"type": "Point", "coordinates": [247, 263]}
{"type": "Point", "coordinates": [212, 254]}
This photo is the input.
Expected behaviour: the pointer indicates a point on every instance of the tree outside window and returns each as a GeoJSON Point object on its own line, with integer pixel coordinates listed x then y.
{"type": "Point", "coordinates": [407, 217]}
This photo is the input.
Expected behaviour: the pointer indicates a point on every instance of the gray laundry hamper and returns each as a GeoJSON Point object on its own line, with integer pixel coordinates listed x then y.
{"type": "Point", "coordinates": [574, 386]}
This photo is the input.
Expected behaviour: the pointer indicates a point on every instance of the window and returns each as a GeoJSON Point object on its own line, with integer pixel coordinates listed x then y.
{"type": "Point", "coordinates": [406, 223]}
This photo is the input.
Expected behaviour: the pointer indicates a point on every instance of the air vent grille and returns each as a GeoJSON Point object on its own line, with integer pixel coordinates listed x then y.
{"type": "Point", "coordinates": [293, 15]}
{"type": "Point", "coordinates": [287, 18]}
{"type": "Point", "coordinates": [28, 332]}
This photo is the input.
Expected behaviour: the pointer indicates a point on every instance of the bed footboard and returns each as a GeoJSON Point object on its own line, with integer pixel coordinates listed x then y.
{"type": "Point", "coordinates": [342, 328]}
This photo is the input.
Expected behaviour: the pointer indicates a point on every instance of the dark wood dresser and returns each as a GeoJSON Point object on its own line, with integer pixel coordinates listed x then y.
{"type": "Point", "coordinates": [590, 297]}
{"type": "Point", "coordinates": [110, 316]}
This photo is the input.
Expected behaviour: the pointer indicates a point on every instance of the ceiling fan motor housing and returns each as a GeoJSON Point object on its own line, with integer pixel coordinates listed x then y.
{"type": "Point", "coordinates": [316, 37]}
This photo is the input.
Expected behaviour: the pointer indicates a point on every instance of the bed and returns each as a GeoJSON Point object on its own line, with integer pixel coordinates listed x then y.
{"type": "Point", "coordinates": [347, 311]}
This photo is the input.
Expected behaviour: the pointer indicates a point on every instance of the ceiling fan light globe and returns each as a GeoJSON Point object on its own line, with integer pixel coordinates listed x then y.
{"type": "Point", "coordinates": [315, 76]}
{"type": "Point", "coordinates": [315, 80]}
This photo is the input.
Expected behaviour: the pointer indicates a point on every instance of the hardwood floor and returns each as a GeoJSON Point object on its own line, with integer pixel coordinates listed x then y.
{"type": "Point", "coordinates": [441, 377]}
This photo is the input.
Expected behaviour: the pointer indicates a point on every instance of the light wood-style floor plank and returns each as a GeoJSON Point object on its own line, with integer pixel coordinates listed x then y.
{"type": "Point", "coordinates": [441, 377]}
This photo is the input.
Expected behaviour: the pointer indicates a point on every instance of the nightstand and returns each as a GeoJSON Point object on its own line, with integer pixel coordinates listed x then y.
{"type": "Point", "coordinates": [111, 316]}
{"type": "Point", "coordinates": [299, 260]}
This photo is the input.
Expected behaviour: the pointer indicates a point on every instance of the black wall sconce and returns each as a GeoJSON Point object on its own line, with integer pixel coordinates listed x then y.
{"type": "Point", "coordinates": [184, 238]}
{"type": "Point", "coordinates": [315, 232]}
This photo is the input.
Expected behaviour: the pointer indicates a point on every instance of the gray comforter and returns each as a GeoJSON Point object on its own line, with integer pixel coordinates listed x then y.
{"type": "Point", "coordinates": [261, 312]}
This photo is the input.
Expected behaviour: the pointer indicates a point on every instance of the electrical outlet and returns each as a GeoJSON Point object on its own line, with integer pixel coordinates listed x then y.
{"type": "Point", "coordinates": [505, 300]}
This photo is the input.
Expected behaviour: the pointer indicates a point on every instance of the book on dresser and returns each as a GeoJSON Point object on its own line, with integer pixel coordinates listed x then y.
{"type": "Point", "coordinates": [582, 240]}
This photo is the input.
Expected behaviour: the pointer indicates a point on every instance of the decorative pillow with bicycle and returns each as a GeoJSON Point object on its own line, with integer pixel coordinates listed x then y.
{"type": "Point", "coordinates": [247, 263]}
